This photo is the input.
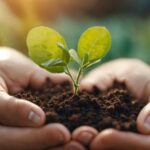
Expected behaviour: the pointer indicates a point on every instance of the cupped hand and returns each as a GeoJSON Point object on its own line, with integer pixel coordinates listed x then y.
{"type": "Point", "coordinates": [20, 120]}
{"type": "Point", "coordinates": [133, 72]}
{"type": "Point", "coordinates": [16, 73]}
{"type": "Point", "coordinates": [136, 75]}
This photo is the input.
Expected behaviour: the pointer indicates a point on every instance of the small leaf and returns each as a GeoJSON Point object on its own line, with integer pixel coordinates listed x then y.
{"type": "Point", "coordinates": [55, 69]}
{"type": "Point", "coordinates": [95, 41]}
{"type": "Point", "coordinates": [61, 46]}
{"type": "Point", "coordinates": [53, 62]}
{"type": "Point", "coordinates": [93, 63]}
{"type": "Point", "coordinates": [66, 52]}
{"type": "Point", "coordinates": [42, 45]}
{"type": "Point", "coordinates": [85, 60]}
{"type": "Point", "coordinates": [74, 55]}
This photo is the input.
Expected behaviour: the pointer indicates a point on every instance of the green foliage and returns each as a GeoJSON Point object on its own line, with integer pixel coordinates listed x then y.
{"type": "Point", "coordinates": [48, 49]}
{"type": "Point", "coordinates": [43, 44]}
{"type": "Point", "coordinates": [96, 42]}
{"type": "Point", "coordinates": [74, 56]}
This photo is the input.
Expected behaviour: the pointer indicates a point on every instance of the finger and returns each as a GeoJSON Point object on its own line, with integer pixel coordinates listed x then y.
{"type": "Point", "coordinates": [3, 86]}
{"type": "Point", "coordinates": [133, 77]}
{"type": "Point", "coordinates": [143, 120]}
{"type": "Point", "coordinates": [17, 112]}
{"type": "Point", "coordinates": [111, 139]}
{"type": "Point", "coordinates": [101, 80]}
{"type": "Point", "coordinates": [56, 148]}
{"type": "Point", "coordinates": [33, 138]}
{"type": "Point", "coordinates": [20, 75]}
{"type": "Point", "coordinates": [84, 135]}
{"type": "Point", "coordinates": [73, 145]}
{"type": "Point", "coordinates": [39, 76]}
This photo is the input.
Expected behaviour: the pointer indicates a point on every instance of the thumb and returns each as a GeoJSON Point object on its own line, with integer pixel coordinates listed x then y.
{"type": "Point", "coordinates": [18, 112]}
{"type": "Point", "coordinates": [143, 120]}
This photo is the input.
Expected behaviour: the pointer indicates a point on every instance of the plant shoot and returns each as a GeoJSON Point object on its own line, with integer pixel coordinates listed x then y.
{"type": "Point", "coordinates": [48, 49]}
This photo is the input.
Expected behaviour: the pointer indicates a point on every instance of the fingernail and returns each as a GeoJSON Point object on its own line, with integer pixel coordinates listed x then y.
{"type": "Point", "coordinates": [34, 117]}
{"type": "Point", "coordinates": [147, 123]}
{"type": "Point", "coordinates": [86, 137]}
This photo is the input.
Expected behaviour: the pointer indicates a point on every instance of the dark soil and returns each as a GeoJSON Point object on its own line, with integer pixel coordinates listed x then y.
{"type": "Point", "coordinates": [115, 108]}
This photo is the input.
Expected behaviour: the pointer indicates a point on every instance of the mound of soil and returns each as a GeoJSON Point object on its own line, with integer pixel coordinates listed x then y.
{"type": "Point", "coordinates": [115, 108]}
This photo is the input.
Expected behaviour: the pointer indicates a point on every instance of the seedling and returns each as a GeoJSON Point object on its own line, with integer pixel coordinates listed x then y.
{"type": "Point", "coordinates": [49, 50]}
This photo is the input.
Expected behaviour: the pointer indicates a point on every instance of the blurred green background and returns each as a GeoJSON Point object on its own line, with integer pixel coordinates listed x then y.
{"type": "Point", "coordinates": [127, 20]}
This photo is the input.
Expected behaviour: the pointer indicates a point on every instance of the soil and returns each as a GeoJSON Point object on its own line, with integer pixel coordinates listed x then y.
{"type": "Point", "coordinates": [115, 108]}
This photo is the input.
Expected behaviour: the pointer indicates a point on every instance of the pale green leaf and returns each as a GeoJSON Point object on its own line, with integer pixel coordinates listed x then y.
{"type": "Point", "coordinates": [85, 60]}
{"type": "Point", "coordinates": [74, 55]}
{"type": "Point", "coordinates": [53, 62]}
{"type": "Point", "coordinates": [65, 50]}
{"type": "Point", "coordinates": [93, 63]}
{"type": "Point", "coordinates": [42, 45]}
{"type": "Point", "coordinates": [55, 69]}
{"type": "Point", "coordinates": [96, 42]}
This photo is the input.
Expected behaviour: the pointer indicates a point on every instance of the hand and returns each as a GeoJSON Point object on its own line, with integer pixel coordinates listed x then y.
{"type": "Point", "coordinates": [18, 116]}
{"type": "Point", "coordinates": [132, 72]}
{"type": "Point", "coordinates": [136, 75]}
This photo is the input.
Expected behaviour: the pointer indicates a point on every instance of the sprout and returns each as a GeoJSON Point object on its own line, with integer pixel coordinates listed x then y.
{"type": "Point", "coordinates": [49, 50]}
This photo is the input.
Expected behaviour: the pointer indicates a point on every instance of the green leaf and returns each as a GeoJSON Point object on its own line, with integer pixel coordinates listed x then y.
{"type": "Point", "coordinates": [61, 46]}
{"type": "Point", "coordinates": [55, 69]}
{"type": "Point", "coordinates": [65, 50]}
{"type": "Point", "coordinates": [53, 62]}
{"type": "Point", "coordinates": [93, 63]}
{"type": "Point", "coordinates": [85, 60]}
{"type": "Point", "coordinates": [96, 41]}
{"type": "Point", "coordinates": [42, 44]}
{"type": "Point", "coordinates": [74, 55]}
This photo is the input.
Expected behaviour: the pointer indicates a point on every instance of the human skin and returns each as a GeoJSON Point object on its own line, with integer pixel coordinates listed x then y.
{"type": "Point", "coordinates": [22, 122]}
{"type": "Point", "coordinates": [25, 133]}
{"type": "Point", "coordinates": [136, 75]}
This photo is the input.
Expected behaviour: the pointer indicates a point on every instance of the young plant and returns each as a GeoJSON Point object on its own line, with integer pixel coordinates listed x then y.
{"type": "Point", "coordinates": [49, 50]}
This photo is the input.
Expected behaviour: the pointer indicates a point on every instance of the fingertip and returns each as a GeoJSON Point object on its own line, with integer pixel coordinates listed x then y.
{"type": "Point", "coordinates": [30, 114]}
{"type": "Point", "coordinates": [60, 78]}
{"type": "Point", "coordinates": [84, 135]}
{"type": "Point", "coordinates": [62, 130]}
{"type": "Point", "coordinates": [40, 119]}
{"type": "Point", "coordinates": [143, 120]}
{"type": "Point", "coordinates": [103, 139]}
{"type": "Point", "coordinates": [100, 81]}
{"type": "Point", "coordinates": [86, 86]}
{"type": "Point", "coordinates": [102, 87]}
{"type": "Point", "coordinates": [20, 112]}
{"type": "Point", "coordinates": [38, 77]}
{"type": "Point", "coordinates": [53, 135]}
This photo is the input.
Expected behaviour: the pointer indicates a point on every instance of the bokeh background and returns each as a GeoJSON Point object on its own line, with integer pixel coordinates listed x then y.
{"type": "Point", "coordinates": [127, 20]}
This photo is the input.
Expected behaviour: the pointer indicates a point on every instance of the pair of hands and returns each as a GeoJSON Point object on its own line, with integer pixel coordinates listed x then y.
{"type": "Point", "coordinates": [21, 122]}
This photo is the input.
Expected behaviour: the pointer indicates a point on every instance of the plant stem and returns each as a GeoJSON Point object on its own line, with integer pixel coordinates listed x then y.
{"type": "Point", "coordinates": [77, 80]}
{"type": "Point", "coordinates": [70, 75]}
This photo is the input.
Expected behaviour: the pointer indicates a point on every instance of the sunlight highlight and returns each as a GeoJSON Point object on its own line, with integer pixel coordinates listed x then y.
{"type": "Point", "coordinates": [4, 54]}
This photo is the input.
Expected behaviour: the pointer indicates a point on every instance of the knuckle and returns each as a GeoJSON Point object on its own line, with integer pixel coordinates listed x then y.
{"type": "Point", "coordinates": [14, 106]}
